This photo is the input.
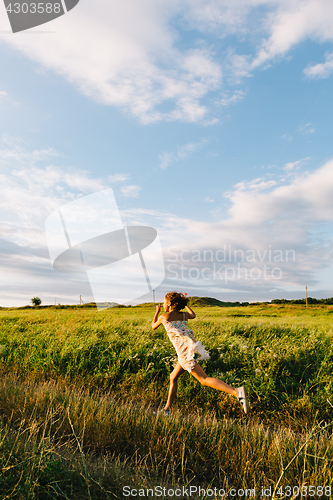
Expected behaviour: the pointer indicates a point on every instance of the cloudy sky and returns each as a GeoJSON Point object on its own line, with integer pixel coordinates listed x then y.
{"type": "Point", "coordinates": [211, 121]}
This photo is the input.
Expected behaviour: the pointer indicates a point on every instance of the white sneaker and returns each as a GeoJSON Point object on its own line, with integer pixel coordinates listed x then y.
{"type": "Point", "coordinates": [164, 413]}
{"type": "Point", "coordinates": [242, 398]}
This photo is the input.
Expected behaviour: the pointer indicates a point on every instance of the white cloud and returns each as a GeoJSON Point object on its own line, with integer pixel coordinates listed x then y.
{"type": "Point", "coordinates": [188, 149]}
{"type": "Point", "coordinates": [294, 165]}
{"type": "Point", "coordinates": [124, 54]}
{"type": "Point", "coordinates": [118, 178]}
{"type": "Point", "coordinates": [32, 192]}
{"type": "Point", "coordinates": [226, 100]}
{"type": "Point", "coordinates": [308, 196]}
{"type": "Point", "coordinates": [183, 152]}
{"type": "Point", "coordinates": [29, 191]}
{"type": "Point", "coordinates": [237, 67]}
{"type": "Point", "coordinates": [297, 216]}
{"type": "Point", "coordinates": [212, 15]}
{"type": "Point", "coordinates": [263, 216]}
{"type": "Point", "coordinates": [321, 70]}
{"type": "Point", "coordinates": [130, 191]}
{"type": "Point", "coordinates": [209, 200]}
{"type": "Point", "coordinates": [278, 26]}
{"type": "Point", "coordinates": [3, 92]}
{"type": "Point", "coordinates": [293, 22]}
{"type": "Point", "coordinates": [258, 184]}
{"type": "Point", "coordinates": [306, 129]}
{"type": "Point", "coordinates": [166, 159]}
{"type": "Point", "coordinates": [23, 157]}
{"type": "Point", "coordinates": [129, 54]}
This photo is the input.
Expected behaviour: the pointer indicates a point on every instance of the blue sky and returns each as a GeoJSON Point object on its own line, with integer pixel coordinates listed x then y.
{"type": "Point", "coordinates": [211, 121]}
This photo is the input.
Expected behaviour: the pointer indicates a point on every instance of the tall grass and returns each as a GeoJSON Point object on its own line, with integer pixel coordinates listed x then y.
{"type": "Point", "coordinates": [51, 436]}
{"type": "Point", "coordinates": [78, 388]}
{"type": "Point", "coordinates": [284, 358]}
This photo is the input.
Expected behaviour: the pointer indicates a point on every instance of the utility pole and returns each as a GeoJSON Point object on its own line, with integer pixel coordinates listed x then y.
{"type": "Point", "coordinates": [306, 296]}
{"type": "Point", "coordinates": [154, 296]}
{"type": "Point", "coordinates": [80, 301]}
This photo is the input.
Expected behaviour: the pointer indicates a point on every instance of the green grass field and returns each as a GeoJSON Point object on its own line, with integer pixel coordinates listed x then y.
{"type": "Point", "coordinates": [79, 387]}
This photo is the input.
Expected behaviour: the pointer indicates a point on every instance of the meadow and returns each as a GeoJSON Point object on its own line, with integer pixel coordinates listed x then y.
{"type": "Point", "coordinates": [79, 387]}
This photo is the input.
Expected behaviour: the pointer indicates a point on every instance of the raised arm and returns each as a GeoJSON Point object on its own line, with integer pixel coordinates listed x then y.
{"type": "Point", "coordinates": [190, 313]}
{"type": "Point", "coordinates": [157, 321]}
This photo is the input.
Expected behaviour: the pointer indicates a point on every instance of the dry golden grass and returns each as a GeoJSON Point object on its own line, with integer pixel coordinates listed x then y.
{"type": "Point", "coordinates": [69, 428]}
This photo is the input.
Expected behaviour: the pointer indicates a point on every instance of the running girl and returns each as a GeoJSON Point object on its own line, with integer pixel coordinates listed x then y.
{"type": "Point", "coordinates": [188, 349]}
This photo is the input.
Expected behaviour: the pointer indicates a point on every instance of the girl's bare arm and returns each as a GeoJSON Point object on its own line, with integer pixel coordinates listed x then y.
{"type": "Point", "coordinates": [190, 313]}
{"type": "Point", "coordinates": [157, 321]}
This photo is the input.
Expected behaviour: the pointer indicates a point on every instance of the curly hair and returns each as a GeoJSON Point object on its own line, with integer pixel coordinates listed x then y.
{"type": "Point", "coordinates": [177, 300]}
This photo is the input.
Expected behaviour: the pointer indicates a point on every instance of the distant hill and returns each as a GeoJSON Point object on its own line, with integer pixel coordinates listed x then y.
{"type": "Point", "coordinates": [311, 300]}
{"type": "Point", "coordinates": [87, 305]}
{"type": "Point", "coordinates": [209, 301]}
{"type": "Point", "coordinates": [204, 301]}
{"type": "Point", "coordinates": [193, 301]}
{"type": "Point", "coordinates": [201, 302]}
{"type": "Point", "coordinates": [104, 305]}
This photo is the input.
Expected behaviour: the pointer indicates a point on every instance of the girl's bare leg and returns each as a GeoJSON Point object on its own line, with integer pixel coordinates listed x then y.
{"type": "Point", "coordinates": [174, 375]}
{"type": "Point", "coordinates": [216, 383]}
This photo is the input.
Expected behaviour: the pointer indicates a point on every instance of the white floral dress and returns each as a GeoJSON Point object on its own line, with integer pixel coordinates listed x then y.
{"type": "Point", "coordinates": [187, 347]}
